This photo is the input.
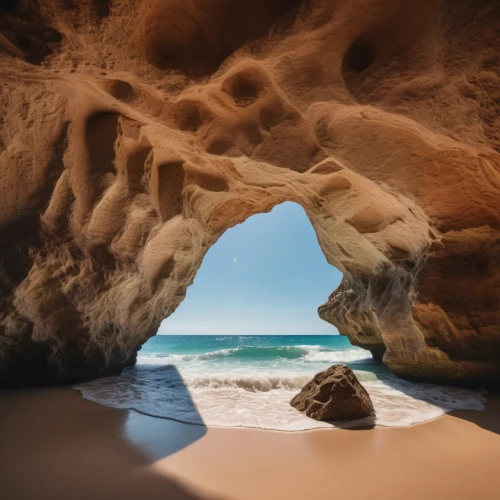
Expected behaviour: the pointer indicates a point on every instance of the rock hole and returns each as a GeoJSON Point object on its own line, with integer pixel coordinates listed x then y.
{"type": "Point", "coordinates": [119, 89]}
{"type": "Point", "coordinates": [190, 115]}
{"type": "Point", "coordinates": [102, 131]}
{"type": "Point", "coordinates": [244, 87]}
{"type": "Point", "coordinates": [135, 169]}
{"type": "Point", "coordinates": [195, 37]}
{"type": "Point", "coordinates": [101, 135]}
{"type": "Point", "coordinates": [168, 187]}
{"type": "Point", "coordinates": [207, 178]}
{"type": "Point", "coordinates": [360, 56]}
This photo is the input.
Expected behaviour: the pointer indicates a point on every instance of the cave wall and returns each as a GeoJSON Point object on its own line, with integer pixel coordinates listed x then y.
{"type": "Point", "coordinates": [133, 134]}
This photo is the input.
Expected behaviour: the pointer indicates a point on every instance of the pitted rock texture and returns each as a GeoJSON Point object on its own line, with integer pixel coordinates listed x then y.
{"type": "Point", "coordinates": [334, 394]}
{"type": "Point", "coordinates": [134, 133]}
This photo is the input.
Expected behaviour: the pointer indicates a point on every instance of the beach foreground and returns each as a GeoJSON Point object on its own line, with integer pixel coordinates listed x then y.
{"type": "Point", "coordinates": [55, 445]}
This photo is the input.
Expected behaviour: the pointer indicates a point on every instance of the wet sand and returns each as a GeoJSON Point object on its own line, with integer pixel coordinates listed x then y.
{"type": "Point", "coordinates": [57, 446]}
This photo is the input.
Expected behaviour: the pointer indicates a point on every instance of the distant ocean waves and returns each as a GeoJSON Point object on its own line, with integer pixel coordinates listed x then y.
{"type": "Point", "coordinates": [249, 382]}
{"type": "Point", "coordinates": [262, 353]}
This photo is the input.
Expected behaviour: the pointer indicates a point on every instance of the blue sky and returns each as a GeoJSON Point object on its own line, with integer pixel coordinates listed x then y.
{"type": "Point", "coordinates": [265, 276]}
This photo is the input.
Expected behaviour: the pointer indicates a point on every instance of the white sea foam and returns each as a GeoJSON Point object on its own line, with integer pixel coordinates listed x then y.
{"type": "Point", "coordinates": [251, 383]}
{"type": "Point", "coordinates": [304, 353]}
{"type": "Point", "coordinates": [246, 396]}
{"type": "Point", "coordinates": [331, 356]}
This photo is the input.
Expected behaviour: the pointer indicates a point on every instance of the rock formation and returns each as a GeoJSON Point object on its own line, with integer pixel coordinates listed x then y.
{"type": "Point", "coordinates": [134, 133]}
{"type": "Point", "coordinates": [334, 394]}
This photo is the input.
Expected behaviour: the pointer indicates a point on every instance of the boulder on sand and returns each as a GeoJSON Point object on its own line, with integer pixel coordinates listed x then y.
{"type": "Point", "coordinates": [334, 394]}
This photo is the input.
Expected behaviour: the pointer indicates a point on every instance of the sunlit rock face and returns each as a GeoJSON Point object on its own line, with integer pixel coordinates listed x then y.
{"type": "Point", "coordinates": [134, 133]}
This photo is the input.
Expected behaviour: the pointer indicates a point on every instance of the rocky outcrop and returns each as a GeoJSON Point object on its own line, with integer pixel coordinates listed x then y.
{"type": "Point", "coordinates": [133, 134]}
{"type": "Point", "coordinates": [334, 394]}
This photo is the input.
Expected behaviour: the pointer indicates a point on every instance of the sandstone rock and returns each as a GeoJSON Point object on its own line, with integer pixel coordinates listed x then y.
{"type": "Point", "coordinates": [334, 394]}
{"type": "Point", "coordinates": [133, 134]}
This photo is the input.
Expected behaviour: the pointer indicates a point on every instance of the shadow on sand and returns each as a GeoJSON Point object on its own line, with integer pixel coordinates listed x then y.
{"type": "Point", "coordinates": [488, 420]}
{"type": "Point", "coordinates": [150, 390]}
{"type": "Point", "coordinates": [57, 446]}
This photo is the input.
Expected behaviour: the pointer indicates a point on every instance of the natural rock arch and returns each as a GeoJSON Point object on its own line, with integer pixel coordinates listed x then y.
{"type": "Point", "coordinates": [118, 171]}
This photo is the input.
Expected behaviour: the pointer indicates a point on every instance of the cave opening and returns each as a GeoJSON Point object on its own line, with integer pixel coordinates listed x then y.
{"type": "Point", "coordinates": [267, 275]}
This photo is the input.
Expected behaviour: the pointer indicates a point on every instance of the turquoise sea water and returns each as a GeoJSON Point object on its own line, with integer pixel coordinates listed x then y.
{"type": "Point", "coordinates": [250, 351]}
{"type": "Point", "coordinates": [234, 380]}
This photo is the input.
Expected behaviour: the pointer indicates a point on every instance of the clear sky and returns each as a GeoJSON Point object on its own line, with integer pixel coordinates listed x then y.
{"type": "Point", "coordinates": [265, 276]}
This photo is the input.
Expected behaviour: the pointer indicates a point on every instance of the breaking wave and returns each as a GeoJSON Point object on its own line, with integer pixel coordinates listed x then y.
{"type": "Point", "coordinates": [314, 353]}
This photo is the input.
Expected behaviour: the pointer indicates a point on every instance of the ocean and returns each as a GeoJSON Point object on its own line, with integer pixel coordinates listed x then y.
{"type": "Point", "coordinates": [248, 381]}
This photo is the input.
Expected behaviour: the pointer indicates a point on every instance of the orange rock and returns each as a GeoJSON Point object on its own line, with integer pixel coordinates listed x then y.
{"type": "Point", "coordinates": [133, 134]}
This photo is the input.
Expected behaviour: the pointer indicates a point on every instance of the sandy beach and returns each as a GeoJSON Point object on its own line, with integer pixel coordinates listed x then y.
{"type": "Point", "coordinates": [57, 446]}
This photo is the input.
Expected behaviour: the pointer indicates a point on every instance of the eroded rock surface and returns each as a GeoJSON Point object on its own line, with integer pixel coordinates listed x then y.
{"type": "Point", "coordinates": [133, 134]}
{"type": "Point", "coordinates": [334, 394]}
